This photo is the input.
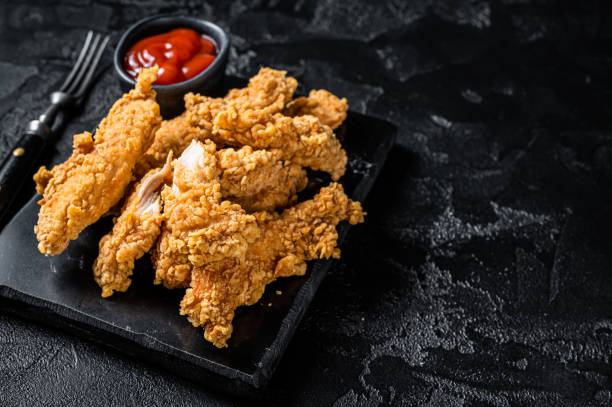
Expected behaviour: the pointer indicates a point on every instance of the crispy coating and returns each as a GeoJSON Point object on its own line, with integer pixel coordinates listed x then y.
{"type": "Point", "coordinates": [82, 144]}
{"type": "Point", "coordinates": [289, 179]}
{"type": "Point", "coordinates": [246, 171]}
{"type": "Point", "coordinates": [266, 95]}
{"type": "Point", "coordinates": [78, 192]}
{"type": "Point", "coordinates": [304, 232]}
{"type": "Point", "coordinates": [258, 180]}
{"type": "Point", "coordinates": [309, 143]}
{"type": "Point", "coordinates": [303, 140]}
{"type": "Point", "coordinates": [270, 90]}
{"type": "Point", "coordinates": [199, 228]}
{"type": "Point", "coordinates": [324, 105]}
{"type": "Point", "coordinates": [134, 232]}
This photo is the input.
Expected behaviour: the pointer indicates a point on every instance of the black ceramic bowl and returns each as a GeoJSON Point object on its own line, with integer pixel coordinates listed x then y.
{"type": "Point", "coordinates": [170, 97]}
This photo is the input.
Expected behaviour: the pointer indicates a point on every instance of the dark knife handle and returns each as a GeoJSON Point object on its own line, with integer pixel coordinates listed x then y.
{"type": "Point", "coordinates": [18, 167]}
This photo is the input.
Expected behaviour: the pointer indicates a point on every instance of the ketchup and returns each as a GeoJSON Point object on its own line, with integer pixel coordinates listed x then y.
{"type": "Point", "coordinates": [180, 54]}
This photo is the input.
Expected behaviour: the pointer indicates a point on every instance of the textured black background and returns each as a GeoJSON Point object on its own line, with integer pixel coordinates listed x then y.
{"type": "Point", "coordinates": [483, 275]}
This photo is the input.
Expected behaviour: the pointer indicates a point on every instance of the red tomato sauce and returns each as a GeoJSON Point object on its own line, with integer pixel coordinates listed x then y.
{"type": "Point", "coordinates": [180, 55]}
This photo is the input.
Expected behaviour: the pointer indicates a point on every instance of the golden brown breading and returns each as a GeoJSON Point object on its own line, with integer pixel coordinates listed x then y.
{"type": "Point", "coordinates": [134, 232]}
{"type": "Point", "coordinates": [324, 105]}
{"type": "Point", "coordinates": [78, 192]}
{"type": "Point", "coordinates": [304, 232]}
{"type": "Point", "coordinates": [258, 180]}
{"type": "Point", "coordinates": [310, 144]}
{"type": "Point", "coordinates": [270, 90]}
{"type": "Point", "coordinates": [289, 179]}
{"type": "Point", "coordinates": [246, 171]}
{"type": "Point", "coordinates": [266, 95]}
{"type": "Point", "coordinates": [199, 227]}
{"type": "Point", "coordinates": [82, 144]}
{"type": "Point", "coordinates": [303, 140]}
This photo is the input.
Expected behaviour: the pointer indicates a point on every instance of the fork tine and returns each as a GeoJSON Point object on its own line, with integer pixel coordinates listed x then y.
{"type": "Point", "coordinates": [90, 54]}
{"type": "Point", "coordinates": [92, 69]}
{"type": "Point", "coordinates": [78, 63]}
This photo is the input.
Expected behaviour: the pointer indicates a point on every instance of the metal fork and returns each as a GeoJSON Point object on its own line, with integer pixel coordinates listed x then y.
{"type": "Point", "coordinates": [18, 166]}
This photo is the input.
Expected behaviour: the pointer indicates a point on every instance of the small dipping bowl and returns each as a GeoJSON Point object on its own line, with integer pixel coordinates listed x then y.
{"type": "Point", "coordinates": [170, 97]}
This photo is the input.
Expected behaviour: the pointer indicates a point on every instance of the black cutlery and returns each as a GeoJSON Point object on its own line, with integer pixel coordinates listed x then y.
{"type": "Point", "coordinates": [17, 168]}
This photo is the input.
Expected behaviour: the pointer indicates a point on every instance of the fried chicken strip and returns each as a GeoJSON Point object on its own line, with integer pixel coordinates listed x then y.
{"type": "Point", "coordinates": [134, 232]}
{"type": "Point", "coordinates": [309, 143]}
{"type": "Point", "coordinates": [290, 179]}
{"type": "Point", "coordinates": [324, 105]}
{"type": "Point", "coordinates": [258, 180]}
{"type": "Point", "coordinates": [253, 116]}
{"type": "Point", "coordinates": [304, 232]}
{"type": "Point", "coordinates": [268, 91]}
{"type": "Point", "coordinates": [78, 192]}
{"type": "Point", "coordinates": [199, 228]}
{"type": "Point", "coordinates": [303, 140]}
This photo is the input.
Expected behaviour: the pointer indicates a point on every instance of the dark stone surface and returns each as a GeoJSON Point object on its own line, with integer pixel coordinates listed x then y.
{"type": "Point", "coordinates": [483, 275]}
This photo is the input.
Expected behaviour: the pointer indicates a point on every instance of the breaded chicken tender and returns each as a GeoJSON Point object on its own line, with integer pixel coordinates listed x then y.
{"type": "Point", "coordinates": [78, 192]}
{"type": "Point", "coordinates": [134, 232]}
{"type": "Point", "coordinates": [258, 180]}
{"type": "Point", "coordinates": [288, 179]}
{"type": "Point", "coordinates": [324, 105]}
{"type": "Point", "coordinates": [303, 140]}
{"type": "Point", "coordinates": [307, 142]}
{"type": "Point", "coordinates": [304, 232]}
{"type": "Point", "coordinates": [253, 116]}
{"type": "Point", "coordinates": [198, 226]}
{"type": "Point", "coordinates": [268, 92]}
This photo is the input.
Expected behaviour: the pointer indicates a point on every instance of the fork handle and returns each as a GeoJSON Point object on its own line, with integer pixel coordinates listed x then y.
{"type": "Point", "coordinates": [17, 168]}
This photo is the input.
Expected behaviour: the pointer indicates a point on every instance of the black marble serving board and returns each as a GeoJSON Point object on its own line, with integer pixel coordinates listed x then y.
{"type": "Point", "coordinates": [144, 322]}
